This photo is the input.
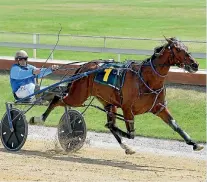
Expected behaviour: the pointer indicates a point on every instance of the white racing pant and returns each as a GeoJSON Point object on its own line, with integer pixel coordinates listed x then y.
{"type": "Point", "coordinates": [25, 90]}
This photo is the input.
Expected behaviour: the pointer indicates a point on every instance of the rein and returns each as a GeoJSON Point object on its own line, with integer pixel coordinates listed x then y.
{"type": "Point", "coordinates": [153, 68]}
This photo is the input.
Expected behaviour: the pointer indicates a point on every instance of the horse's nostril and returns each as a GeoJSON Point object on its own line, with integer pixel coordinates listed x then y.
{"type": "Point", "coordinates": [194, 66]}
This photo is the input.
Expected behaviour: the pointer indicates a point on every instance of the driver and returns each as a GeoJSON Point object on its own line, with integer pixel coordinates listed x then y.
{"type": "Point", "coordinates": [23, 75]}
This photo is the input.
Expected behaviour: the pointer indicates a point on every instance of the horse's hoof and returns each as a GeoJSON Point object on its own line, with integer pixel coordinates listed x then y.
{"type": "Point", "coordinates": [109, 125]}
{"type": "Point", "coordinates": [35, 120]}
{"type": "Point", "coordinates": [197, 147]}
{"type": "Point", "coordinates": [131, 135]}
{"type": "Point", "coordinates": [129, 151]}
{"type": "Point", "coordinates": [106, 125]}
{"type": "Point", "coordinates": [31, 121]}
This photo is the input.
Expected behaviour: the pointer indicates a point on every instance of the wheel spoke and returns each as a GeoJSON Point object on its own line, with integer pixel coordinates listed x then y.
{"type": "Point", "coordinates": [16, 138]}
{"type": "Point", "coordinates": [8, 138]}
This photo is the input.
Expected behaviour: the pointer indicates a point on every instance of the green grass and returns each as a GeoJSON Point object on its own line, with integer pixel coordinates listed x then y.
{"type": "Point", "coordinates": [186, 103]}
{"type": "Point", "coordinates": [123, 18]}
{"type": "Point", "coordinates": [150, 19]}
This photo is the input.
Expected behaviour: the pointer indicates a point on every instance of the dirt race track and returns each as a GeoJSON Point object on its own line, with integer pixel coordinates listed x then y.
{"type": "Point", "coordinates": [42, 160]}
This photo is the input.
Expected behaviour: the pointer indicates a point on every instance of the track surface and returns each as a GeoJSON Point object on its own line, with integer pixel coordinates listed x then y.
{"type": "Point", "coordinates": [101, 159]}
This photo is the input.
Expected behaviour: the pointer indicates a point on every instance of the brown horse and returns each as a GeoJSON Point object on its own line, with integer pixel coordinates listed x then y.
{"type": "Point", "coordinates": [142, 91]}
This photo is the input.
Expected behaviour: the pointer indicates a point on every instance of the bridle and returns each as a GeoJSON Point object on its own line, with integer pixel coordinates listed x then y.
{"type": "Point", "coordinates": [171, 58]}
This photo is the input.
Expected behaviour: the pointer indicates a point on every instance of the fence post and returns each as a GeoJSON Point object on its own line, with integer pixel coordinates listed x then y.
{"type": "Point", "coordinates": [104, 42]}
{"type": "Point", "coordinates": [34, 42]}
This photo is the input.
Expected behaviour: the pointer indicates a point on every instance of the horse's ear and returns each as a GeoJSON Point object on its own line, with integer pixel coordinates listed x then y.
{"type": "Point", "coordinates": [168, 40]}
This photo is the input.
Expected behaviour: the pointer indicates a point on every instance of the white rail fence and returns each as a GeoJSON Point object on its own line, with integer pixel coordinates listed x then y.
{"type": "Point", "coordinates": [97, 44]}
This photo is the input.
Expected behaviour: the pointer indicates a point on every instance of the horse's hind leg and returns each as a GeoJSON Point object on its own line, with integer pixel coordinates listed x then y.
{"type": "Point", "coordinates": [111, 120]}
{"type": "Point", "coordinates": [165, 116]}
{"type": "Point", "coordinates": [54, 103]}
{"type": "Point", "coordinates": [129, 122]}
{"type": "Point", "coordinates": [76, 97]}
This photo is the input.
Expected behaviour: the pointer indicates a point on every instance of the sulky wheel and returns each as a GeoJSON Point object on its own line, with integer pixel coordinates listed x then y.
{"type": "Point", "coordinates": [13, 141]}
{"type": "Point", "coordinates": [72, 141]}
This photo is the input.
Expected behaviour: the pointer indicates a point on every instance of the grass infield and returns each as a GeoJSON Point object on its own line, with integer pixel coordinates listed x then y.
{"type": "Point", "coordinates": [136, 18]}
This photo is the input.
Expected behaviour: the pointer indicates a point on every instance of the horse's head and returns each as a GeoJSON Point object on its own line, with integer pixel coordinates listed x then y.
{"type": "Point", "coordinates": [180, 55]}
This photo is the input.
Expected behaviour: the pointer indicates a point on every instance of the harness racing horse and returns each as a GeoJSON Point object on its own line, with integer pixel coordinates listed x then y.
{"type": "Point", "coordinates": [142, 91]}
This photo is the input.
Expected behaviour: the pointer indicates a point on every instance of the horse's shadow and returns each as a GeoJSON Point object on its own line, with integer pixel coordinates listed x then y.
{"type": "Point", "coordinates": [73, 157]}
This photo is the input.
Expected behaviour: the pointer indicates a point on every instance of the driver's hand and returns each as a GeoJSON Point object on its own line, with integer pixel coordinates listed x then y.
{"type": "Point", "coordinates": [36, 71]}
{"type": "Point", "coordinates": [55, 67]}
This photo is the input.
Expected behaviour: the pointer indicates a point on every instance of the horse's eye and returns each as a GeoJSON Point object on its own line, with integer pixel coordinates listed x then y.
{"type": "Point", "coordinates": [178, 49]}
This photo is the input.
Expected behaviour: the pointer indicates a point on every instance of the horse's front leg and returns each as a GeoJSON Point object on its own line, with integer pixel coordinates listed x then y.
{"type": "Point", "coordinates": [111, 121]}
{"type": "Point", "coordinates": [54, 103]}
{"type": "Point", "coordinates": [166, 116]}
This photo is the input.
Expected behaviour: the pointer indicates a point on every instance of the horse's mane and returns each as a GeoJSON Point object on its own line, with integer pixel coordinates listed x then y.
{"type": "Point", "coordinates": [158, 49]}
{"type": "Point", "coordinates": [155, 54]}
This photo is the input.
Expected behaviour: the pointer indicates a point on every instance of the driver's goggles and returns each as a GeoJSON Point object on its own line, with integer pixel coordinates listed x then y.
{"type": "Point", "coordinates": [22, 58]}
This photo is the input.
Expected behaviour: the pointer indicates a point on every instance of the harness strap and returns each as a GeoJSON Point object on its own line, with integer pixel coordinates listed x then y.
{"type": "Point", "coordinates": [163, 106]}
{"type": "Point", "coordinates": [152, 91]}
{"type": "Point", "coordinates": [153, 68]}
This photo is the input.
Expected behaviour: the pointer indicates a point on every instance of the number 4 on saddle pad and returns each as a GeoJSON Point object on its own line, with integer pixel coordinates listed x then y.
{"type": "Point", "coordinates": [113, 76]}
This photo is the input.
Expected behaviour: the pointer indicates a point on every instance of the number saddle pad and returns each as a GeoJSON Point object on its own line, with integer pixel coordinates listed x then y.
{"type": "Point", "coordinates": [112, 76]}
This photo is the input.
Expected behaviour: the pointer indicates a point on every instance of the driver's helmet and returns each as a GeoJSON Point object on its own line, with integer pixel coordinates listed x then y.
{"type": "Point", "coordinates": [21, 55]}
